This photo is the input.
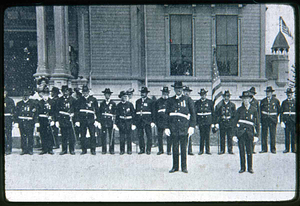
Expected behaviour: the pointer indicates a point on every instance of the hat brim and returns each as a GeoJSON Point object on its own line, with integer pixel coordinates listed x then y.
{"type": "Point", "coordinates": [270, 90]}
{"type": "Point", "coordinates": [176, 86]}
{"type": "Point", "coordinates": [246, 96]}
{"type": "Point", "coordinates": [106, 92]}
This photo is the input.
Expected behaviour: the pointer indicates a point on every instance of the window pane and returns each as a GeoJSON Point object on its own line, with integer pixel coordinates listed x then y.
{"type": "Point", "coordinates": [232, 30]}
{"type": "Point", "coordinates": [232, 58]}
{"type": "Point", "coordinates": [227, 60]}
{"type": "Point", "coordinates": [175, 34]}
{"type": "Point", "coordinates": [186, 29]}
{"type": "Point", "coordinates": [221, 30]}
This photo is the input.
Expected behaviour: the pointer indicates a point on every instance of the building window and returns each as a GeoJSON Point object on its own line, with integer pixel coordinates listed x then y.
{"type": "Point", "coordinates": [181, 54]}
{"type": "Point", "coordinates": [227, 44]}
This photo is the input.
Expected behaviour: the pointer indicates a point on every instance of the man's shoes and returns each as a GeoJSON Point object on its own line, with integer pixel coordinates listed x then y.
{"type": "Point", "coordinates": [103, 153]}
{"type": "Point", "coordinates": [121, 153]}
{"type": "Point", "coordinates": [51, 152]}
{"type": "Point", "coordinates": [141, 152]}
{"type": "Point", "coordinates": [63, 153]}
{"type": "Point", "coordinates": [220, 153]}
{"type": "Point", "coordinates": [185, 171]}
{"type": "Point", "coordinates": [129, 152]}
{"type": "Point", "coordinates": [72, 153]}
{"type": "Point", "coordinates": [43, 152]}
{"type": "Point", "coordinates": [230, 152]}
{"type": "Point", "coordinates": [22, 153]}
{"type": "Point", "coordinates": [285, 151]}
{"type": "Point", "coordinates": [253, 152]}
{"type": "Point", "coordinates": [190, 153]}
{"type": "Point", "coordinates": [250, 171]}
{"type": "Point", "coordinates": [30, 153]}
{"type": "Point", "coordinates": [273, 151]}
{"type": "Point", "coordinates": [173, 170]}
{"type": "Point", "coordinates": [7, 153]}
{"type": "Point", "coordinates": [93, 152]}
{"type": "Point", "coordinates": [159, 153]}
{"type": "Point", "coordinates": [263, 151]}
{"type": "Point", "coordinates": [112, 153]}
{"type": "Point", "coordinates": [168, 153]}
{"type": "Point", "coordinates": [83, 153]}
{"type": "Point", "coordinates": [241, 171]}
{"type": "Point", "coordinates": [148, 152]}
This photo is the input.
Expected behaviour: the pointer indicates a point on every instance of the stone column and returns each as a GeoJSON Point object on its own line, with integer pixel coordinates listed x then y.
{"type": "Point", "coordinates": [42, 67]}
{"type": "Point", "coordinates": [61, 74]}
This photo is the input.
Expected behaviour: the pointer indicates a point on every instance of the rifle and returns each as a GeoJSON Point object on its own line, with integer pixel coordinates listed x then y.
{"type": "Point", "coordinates": [113, 135]}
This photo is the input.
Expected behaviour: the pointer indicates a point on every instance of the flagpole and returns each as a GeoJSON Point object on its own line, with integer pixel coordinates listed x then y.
{"type": "Point", "coordinates": [280, 23]}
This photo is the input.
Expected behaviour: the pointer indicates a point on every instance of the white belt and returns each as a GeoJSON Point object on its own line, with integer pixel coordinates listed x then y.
{"type": "Point", "coordinates": [128, 117]}
{"type": "Point", "coordinates": [27, 118]}
{"type": "Point", "coordinates": [43, 115]}
{"type": "Point", "coordinates": [246, 122]}
{"type": "Point", "coordinates": [204, 113]}
{"type": "Point", "coordinates": [143, 112]}
{"type": "Point", "coordinates": [226, 117]}
{"type": "Point", "coordinates": [289, 113]}
{"type": "Point", "coordinates": [65, 113]}
{"type": "Point", "coordinates": [8, 114]}
{"type": "Point", "coordinates": [107, 114]}
{"type": "Point", "coordinates": [269, 113]}
{"type": "Point", "coordinates": [162, 110]}
{"type": "Point", "coordinates": [180, 114]}
{"type": "Point", "coordinates": [87, 111]}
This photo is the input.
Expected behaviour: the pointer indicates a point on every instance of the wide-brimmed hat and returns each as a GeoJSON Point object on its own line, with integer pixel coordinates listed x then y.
{"type": "Point", "coordinates": [226, 93]}
{"type": "Point", "coordinates": [43, 78]}
{"type": "Point", "coordinates": [187, 88]}
{"type": "Point", "coordinates": [269, 89]}
{"type": "Point", "coordinates": [85, 88]}
{"type": "Point", "coordinates": [202, 91]}
{"type": "Point", "coordinates": [246, 94]}
{"type": "Point", "coordinates": [144, 90]}
{"type": "Point", "coordinates": [122, 93]}
{"type": "Point", "coordinates": [252, 90]}
{"type": "Point", "coordinates": [55, 90]}
{"type": "Point", "coordinates": [165, 89]}
{"type": "Point", "coordinates": [130, 91]}
{"type": "Point", "coordinates": [64, 88]}
{"type": "Point", "coordinates": [107, 91]}
{"type": "Point", "coordinates": [289, 91]}
{"type": "Point", "coordinates": [177, 84]}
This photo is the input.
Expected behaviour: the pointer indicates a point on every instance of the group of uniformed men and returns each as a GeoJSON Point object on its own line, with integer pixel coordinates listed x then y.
{"type": "Point", "coordinates": [175, 116]}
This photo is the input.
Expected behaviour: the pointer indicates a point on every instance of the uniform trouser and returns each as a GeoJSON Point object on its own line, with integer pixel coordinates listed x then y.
{"type": "Point", "coordinates": [84, 126]}
{"type": "Point", "coordinates": [246, 141]}
{"type": "Point", "coordinates": [55, 133]}
{"type": "Point", "coordinates": [148, 131]}
{"type": "Point", "coordinates": [105, 131]}
{"type": "Point", "coordinates": [204, 138]}
{"type": "Point", "coordinates": [290, 136]}
{"type": "Point", "coordinates": [190, 146]}
{"type": "Point", "coordinates": [176, 141]}
{"type": "Point", "coordinates": [46, 137]}
{"type": "Point", "coordinates": [225, 131]}
{"type": "Point", "coordinates": [26, 129]}
{"type": "Point", "coordinates": [265, 126]}
{"type": "Point", "coordinates": [160, 133]}
{"type": "Point", "coordinates": [67, 135]}
{"type": "Point", "coordinates": [125, 135]}
{"type": "Point", "coordinates": [8, 136]}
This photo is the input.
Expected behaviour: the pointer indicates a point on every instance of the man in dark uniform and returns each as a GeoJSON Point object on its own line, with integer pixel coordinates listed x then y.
{"type": "Point", "coordinates": [269, 109]}
{"type": "Point", "coordinates": [204, 109]}
{"type": "Point", "coordinates": [187, 91]}
{"type": "Point", "coordinates": [288, 120]}
{"type": "Point", "coordinates": [161, 120]}
{"type": "Point", "coordinates": [65, 109]}
{"type": "Point", "coordinates": [124, 119]}
{"type": "Point", "coordinates": [87, 119]}
{"type": "Point", "coordinates": [144, 120]}
{"type": "Point", "coordinates": [53, 114]}
{"type": "Point", "coordinates": [77, 95]}
{"type": "Point", "coordinates": [26, 117]}
{"type": "Point", "coordinates": [9, 109]}
{"type": "Point", "coordinates": [254, 102]}
{"type": "Point", "coordinates": [246, 126]}
{"type": "Point", "coordinates": [181, 124]}
{"type": "Point", "coordinates": [107, 113]}
{"type": "Point", "coordinates": [45, 129]}
{"type": "Point", "coordinates": [224, 114]}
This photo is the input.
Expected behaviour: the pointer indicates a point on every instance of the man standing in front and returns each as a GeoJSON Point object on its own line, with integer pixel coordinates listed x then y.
{"type": "Point", "coordinates": [247, 126]}
{"type": "Point", "coordinates": [107, 113]}
{"type": "Point", "coordinates": [161, 120]}
{"type": "Point", "coordinates": [187, 91]}
{"type": "Point", "coordinates": [254, 102]}
{"type": "Point", "coordinates": [144, 120]}
{"type": "Point", "coordinates": [9, 109]}
{"type": "Point", "coordinates": [269, 108]}
{"type": "Point", "coordinates": [181, 124]}
{"type": "Point", "coordinates": [288, 120]}
{"type": "Point", "coordinates": [204, 109]}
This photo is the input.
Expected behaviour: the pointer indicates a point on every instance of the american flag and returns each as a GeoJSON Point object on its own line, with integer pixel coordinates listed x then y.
{"type": "Point", "coordinates": [284, 27]}
{"type": "Point", "coordinates": [216, 82]}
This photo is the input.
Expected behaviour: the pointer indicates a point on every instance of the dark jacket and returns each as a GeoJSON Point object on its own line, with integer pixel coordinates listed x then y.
{"type": "Point", "coordinates": [224, 113]}
{"type": "Point", "coordinates": [204, 111]}
{"type": "Point", "coordinates": [44, 110]}
{"type": "Point", "coordinates": [161, 117]}
{"type": "Point", "coordinates": [65, 106]}
{"type": "Point", "coordinates": [124, 115]}
{"type": "Point", "coordinates": [9, 110]}
{"type": "Point", "coordinates": [181, 114]}
{"type": "Point", "coordinates": [107, 113]}
{"type": "Point", "coordinates": [269, 110]}
{"type": "Point", "coordinates": [246, 121]}
{"type": "Point", "coordinates": [288, 111]}
{"type": "Point", "coordinates": [144, 112]}
{"type": "Point", "coordinates": [87, 109]}
{"type": "Point", "coordinates": [53, 105]}
{"type": "Point", "coordinates": [26, 112]}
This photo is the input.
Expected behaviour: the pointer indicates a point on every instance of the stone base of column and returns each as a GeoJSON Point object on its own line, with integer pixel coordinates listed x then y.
{"type": "Point", "coordinates": [58, 80]}
{"type": "Point", "coordinates": [78, 83]}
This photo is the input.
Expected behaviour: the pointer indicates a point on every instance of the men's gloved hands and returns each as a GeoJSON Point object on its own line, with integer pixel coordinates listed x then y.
{"type": "Point", "coordinates": [167, 132]}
